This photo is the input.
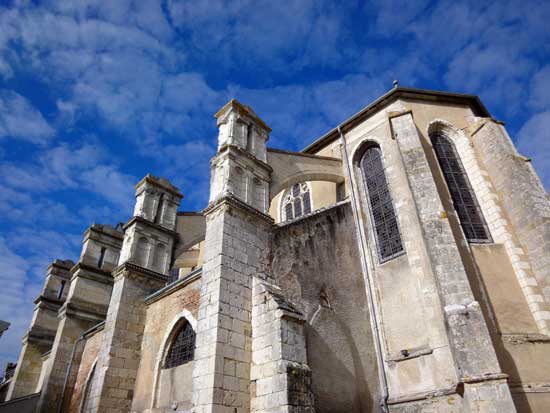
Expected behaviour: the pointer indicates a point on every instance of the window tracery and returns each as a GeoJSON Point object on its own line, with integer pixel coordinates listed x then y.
{"type": "Point", "coordinates": [296, 201]}
{"type": "Point", "coordinates": [382, 211]}
{"type": "Point", "coordinates": [464, 200]}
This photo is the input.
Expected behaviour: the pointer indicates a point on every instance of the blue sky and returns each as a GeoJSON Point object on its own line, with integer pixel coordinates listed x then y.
{"type": "Point", "coordinates": [95, 94]}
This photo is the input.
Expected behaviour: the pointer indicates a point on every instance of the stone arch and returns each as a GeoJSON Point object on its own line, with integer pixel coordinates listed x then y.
{"type": "Point", "coordinates": [171, 330]}
{"type": "Point", "coordinates": [299, 177]}
{"type": "Point", "coordinates": [361, 147]}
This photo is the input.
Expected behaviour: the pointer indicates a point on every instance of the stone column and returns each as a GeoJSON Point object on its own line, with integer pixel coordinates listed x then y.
{"type": "Point", "coordinates": [485, 387]}
{"type": "Point", "coordinates": [41, 334]}
{"type": "Point", "coordinates": [86, 305]}
{"type": "Point", "coordinates": [527, 207]}
{"type": "Point", "coordinates": [236, 251]}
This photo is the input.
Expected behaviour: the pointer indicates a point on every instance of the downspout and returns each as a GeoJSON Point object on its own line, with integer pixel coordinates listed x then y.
{"type": "Point", "coordinates": [69, 367]}
{"type": "Point", "coordinates": [368, 281]}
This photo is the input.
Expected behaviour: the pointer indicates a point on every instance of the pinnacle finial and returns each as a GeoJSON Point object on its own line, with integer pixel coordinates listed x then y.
{"type": "Point", "coordinates": [395, 83]}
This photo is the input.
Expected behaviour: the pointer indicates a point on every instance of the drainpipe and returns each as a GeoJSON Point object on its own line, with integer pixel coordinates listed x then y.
{"type": "Point", "coordinates": [69, 367]}
{"type": "Point", "coordinates": [368, 281]}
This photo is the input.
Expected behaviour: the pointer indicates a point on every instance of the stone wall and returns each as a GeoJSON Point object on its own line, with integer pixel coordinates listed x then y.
{"type": "Point", "coordinates": [316, 264]}
{"type": "Point", "coordinates": [158, 388]}
{"type": "Point", "coordinates": [87, 361]}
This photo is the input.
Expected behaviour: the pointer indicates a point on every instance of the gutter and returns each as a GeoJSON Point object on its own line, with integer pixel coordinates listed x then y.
{"type": "Point", "coordinates": [69, 367]}
{"type": "Point", "coordinates": [370, 294]}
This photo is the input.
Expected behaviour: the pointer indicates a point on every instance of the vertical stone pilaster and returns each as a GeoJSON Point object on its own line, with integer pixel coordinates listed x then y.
{"type": "Point", "coordinates": [474, 355]}
{"type": "Point", "coordinates": [118, 359]}
{"type": "Point", "coordinates": [40, 337]}
{"type": "Point", "coordinates": [280, 376]}
{"type": "Point", "coordinates": [86, 305]}
{"type": "Point", "coordinates": [144, 263]}
{"type": "Point", "coordinates": [236, 250]}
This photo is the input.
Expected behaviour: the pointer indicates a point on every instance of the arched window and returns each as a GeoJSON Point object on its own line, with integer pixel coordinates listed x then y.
{"type": "Point", "coordinates": [383, 215]}
{"type": "Point", "coordinates": [464, 200]}
{"type": "Point", "coordinates": [182, 348]}
{"type": "Point", "coordinates": [296, 202]}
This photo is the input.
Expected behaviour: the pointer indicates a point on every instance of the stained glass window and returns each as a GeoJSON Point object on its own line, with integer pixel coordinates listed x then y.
{"type": "Point", "coordinates": [464, 200]}
{"type": "Point", "coordinates": [182, 349]}
{"type": "Point", "coordinates": [296, 201]}
{"type": "Point", "coordinates": [384, 219]}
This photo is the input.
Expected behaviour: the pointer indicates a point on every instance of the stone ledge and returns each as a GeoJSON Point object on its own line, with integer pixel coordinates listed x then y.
{"type": "Point", "coordinates": [525, 338]}
{"type": "Point", "coordinates": [231, 200]}
{"type": "Point", "coordinates": [174, 286]}
{"type": "Point", "coordinates": [312, 214]}
{"type": "Point", "coordinates": [228, 147]}
{"type": "Point", "coordinates": [144, 221]}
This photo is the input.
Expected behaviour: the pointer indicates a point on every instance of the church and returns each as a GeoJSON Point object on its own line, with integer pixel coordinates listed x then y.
{"type": "Point", "coordinates": [399, 263]}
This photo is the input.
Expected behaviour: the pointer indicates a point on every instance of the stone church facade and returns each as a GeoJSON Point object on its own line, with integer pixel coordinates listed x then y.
{"type": "Point", "coordinates": [400, 263]}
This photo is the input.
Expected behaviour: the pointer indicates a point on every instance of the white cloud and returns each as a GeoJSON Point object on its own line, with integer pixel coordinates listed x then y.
{"type": "Point", "coordinates": [534, 141]}
{"type": "Point", "coordinates": [20, 120]}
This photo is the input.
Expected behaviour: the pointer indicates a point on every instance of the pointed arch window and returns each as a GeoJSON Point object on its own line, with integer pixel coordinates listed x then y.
{"type": "Point", "coordinates": [388, 237]}
{"type": "Point", "coordinates": [464, 200]}
{"type": "Point", "coordinates": [182, 349]}
{"type": "Point", "coordinates": [296, 201]}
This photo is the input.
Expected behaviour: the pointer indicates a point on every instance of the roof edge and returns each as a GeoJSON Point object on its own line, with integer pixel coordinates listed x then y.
{"type": "Point", "coordinates": [472, 100]}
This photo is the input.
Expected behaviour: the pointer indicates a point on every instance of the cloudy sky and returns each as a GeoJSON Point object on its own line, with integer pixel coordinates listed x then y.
{"type": "Point", "coordinates": [95, 94]}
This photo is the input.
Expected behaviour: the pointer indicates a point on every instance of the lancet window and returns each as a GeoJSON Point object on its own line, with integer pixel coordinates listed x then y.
{"type": "Point", "coordinates": [464, 200]}
{"type": "Point", "coordinates": [182, 349]}
{"type": "Point", "coordinates": [384, 219]}
{"type": "Point", "coordinates": [296, 201]}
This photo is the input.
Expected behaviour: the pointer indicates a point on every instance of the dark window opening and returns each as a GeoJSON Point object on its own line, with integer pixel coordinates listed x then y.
{"type": "Point", "coordinates": [159, 209]}
{"type": "Point", "coordinates": [182, 349]}
{"type": "Point", "coordinates": [464, 200]}
{"type": "Point", "coordinates": [101, 257]}
{"type": "Point", "coordinates": [60, 289]}
{"type": "Point", "coordinates": [383, 214]}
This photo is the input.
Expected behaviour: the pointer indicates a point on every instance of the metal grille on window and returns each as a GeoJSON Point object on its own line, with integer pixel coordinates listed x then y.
{"type": "Point", "coordinates": [383, 214]}
{"type": "Point", "coordinates": [183, 347]}
{"type": "Point", "coordinates": [296, 201]}
{"type": "Point", "coordinates": [464, 200]}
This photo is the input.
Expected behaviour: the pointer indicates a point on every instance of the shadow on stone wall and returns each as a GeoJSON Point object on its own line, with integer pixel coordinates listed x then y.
{"type": "Point", "coordinates": [316, 263]}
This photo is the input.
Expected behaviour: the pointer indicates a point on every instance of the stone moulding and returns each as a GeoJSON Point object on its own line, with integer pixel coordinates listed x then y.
{"type": "Point", "coordinates": [127, 269]}
{"type": "Point", "coordinates": [232, 201]}
{"type": "Point", "coordinates": [150, 224]}
{"type": "Point", "coordinates": [172, 287]}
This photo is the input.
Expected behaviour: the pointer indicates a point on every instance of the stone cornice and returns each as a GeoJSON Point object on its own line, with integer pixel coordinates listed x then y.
{"type": "Point", "coordinates": [48, 302]}
{"type": "Point", "coordinates": [40, 336]}
{"type": "Point", "coordinates": [172, 287]}
{"type": "Point", "coordinates": [230, 200]}
{"type": "Point", "coordinates": [92, 273]}
{"type": "Point", "coordinates": [83, 311]}
{"type": "Point", "coordinates": [243, 111]}
{"type": "Point", "coordinates": [160, 182]}
{"type": "Point", "coordinates": [305, 155]}
{"type": "Point", "coordinates": [86, 267]}
{"type": "Point", "coordinates": [228, 147]}
{"type": "Point", "coordinates": [127, 269]}
{"type": "Point", "coordinates": [150, 224]}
